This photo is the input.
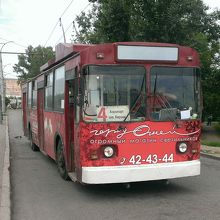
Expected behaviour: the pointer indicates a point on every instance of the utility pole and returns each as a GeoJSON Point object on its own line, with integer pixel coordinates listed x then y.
{"type": "Point", "coordinates": [1, 88]}
{"type": "Point", "coordinates": [2, 84]}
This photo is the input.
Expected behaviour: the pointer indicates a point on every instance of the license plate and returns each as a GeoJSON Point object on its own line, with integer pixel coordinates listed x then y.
{"type": "Point", "coordinates": [151, 159]}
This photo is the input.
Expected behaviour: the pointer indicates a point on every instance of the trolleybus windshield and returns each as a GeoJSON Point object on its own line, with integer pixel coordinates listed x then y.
{"type": "Point", "coordinates": [114, 93]}
{"type": "Point", "coordinates": [175, 93]}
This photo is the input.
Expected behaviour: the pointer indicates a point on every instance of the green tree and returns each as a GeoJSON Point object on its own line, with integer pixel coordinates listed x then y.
{"type": "Point", "coordinates": [184, 22]}
{"type": "Point", "coordinates": [173, 21]}
{"type": "Point", "coordinates": [29, 64]}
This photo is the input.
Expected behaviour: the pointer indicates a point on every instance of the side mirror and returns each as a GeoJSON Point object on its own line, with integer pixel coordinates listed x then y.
{"type": "Point", "coordinates": [79, 100]}
{"type": "Point", "coordinates": [79, 85]}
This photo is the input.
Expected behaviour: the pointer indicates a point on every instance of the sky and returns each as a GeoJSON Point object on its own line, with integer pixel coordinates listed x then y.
{"type": "Point", "coordinates": [36, 22]}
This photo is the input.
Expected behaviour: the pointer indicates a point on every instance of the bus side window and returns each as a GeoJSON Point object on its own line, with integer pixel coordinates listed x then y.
{"type": "Point", "coordinates": [34, 94]}
{"type": "Point", "coordinates": [71, 92]}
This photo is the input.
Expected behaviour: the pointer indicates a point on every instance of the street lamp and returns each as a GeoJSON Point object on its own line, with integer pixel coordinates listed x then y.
{"type": "Point", "coordinates": [2, 111]}
{"type": "Point", "coordinates": [4, 66]}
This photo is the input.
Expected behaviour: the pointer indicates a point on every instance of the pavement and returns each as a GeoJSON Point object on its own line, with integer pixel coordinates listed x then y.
{"type": "Point", "coordinates": [5, 202]}
{"type": "Point", "coordinates": [212, 152]}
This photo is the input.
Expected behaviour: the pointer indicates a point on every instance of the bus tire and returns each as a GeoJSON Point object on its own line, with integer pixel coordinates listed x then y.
{"type": "Point", "coordinates": [34, 147]}
{"type": "Point", "coordinates": [60, 159]}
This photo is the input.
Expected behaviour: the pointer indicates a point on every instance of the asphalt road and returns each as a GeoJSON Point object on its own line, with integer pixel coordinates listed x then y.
{"type": "Point", "coordinates": [38, 192]}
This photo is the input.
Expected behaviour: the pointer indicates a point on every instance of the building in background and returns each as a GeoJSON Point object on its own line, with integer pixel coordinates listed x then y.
{"type": "Point", "coordinates": [13, 93]}
{"type": "Point", "coordinates": [12, 89]}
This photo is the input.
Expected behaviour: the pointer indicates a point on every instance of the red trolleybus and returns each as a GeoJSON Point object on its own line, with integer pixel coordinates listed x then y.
{"type": "Point", "coordinates": [117, 113]}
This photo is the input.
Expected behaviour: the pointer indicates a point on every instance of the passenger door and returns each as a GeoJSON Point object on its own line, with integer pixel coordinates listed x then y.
{"type": "Point", "coordinates": [40, 114]}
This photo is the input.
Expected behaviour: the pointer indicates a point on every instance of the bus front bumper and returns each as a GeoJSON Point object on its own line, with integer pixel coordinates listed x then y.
{"type": "Point", "coordinates": [137, 173]}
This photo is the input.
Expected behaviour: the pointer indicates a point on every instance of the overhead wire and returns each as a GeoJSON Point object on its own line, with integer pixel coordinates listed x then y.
{"type": "Point", "coordinates": [67, 8]}
{"type": "Point", "coordinates": [54, 28]}
{"type": "Point", "coordinates": [51, 33]}
{"type": "Point", "coordinates": [73, 21]}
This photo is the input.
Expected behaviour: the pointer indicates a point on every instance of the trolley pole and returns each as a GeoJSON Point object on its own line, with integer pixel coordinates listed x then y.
{"type": "Point", "coordinates": [2, 84]}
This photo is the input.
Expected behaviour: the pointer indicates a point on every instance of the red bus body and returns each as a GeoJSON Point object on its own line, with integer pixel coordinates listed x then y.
{"type": "Point", "coordinates": [113, 145]}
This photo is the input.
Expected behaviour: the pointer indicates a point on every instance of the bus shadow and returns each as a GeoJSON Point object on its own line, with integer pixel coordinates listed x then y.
{"type": "Point", "coordinates": [149, 188]}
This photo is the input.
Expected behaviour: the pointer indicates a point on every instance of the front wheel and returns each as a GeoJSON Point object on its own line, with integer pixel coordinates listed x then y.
{"type": "Point", "coordinates": [60, 159]}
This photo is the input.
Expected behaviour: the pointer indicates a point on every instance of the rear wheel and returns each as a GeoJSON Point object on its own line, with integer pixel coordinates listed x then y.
{"type": "Point", "coordinates": [60, 159]}
{"type": "Point", "coordinates": [33, 146]}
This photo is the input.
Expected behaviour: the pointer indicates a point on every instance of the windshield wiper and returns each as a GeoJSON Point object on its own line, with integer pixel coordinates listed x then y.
{"type": "Point", "coordinates": [164, 103]}
{"type": "Point", "coordinates": [139, 98]}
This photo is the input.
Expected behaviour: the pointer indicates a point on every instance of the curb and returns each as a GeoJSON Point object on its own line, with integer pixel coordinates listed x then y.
{"type": "Point", "coordinates": [209, 156]}
{"type": "Point", "coordinates": [5, 202]}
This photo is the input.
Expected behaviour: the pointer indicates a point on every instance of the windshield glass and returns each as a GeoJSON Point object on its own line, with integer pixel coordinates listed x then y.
{"type": "Point", "coordinates": [175, 93]}
{"type": "Point", "coordinates": [114, 93]}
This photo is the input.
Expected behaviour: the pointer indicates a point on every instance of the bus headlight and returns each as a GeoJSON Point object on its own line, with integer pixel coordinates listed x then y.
{"type": "Point", "coordinates": [182, 147]}
{"type": "Point", "coordinates": [108, 151]}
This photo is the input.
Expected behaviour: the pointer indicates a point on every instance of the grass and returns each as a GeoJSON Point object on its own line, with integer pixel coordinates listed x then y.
{"type": "Point", "coordinates": [211, 143]}
{"type": "Point", "coordinates": [207, 141]}
{"type": "Point", "coordinates": [217, 128]}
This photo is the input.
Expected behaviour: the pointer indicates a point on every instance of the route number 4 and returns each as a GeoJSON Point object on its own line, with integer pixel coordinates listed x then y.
{"type": "Point", "coordinates": [102, 114]}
